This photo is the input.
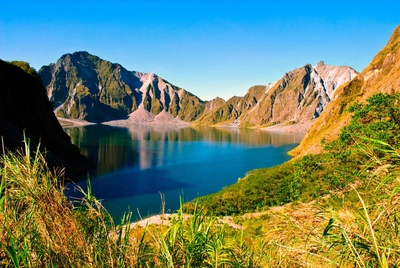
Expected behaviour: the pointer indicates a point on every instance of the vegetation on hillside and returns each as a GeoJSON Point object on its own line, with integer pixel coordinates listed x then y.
{"type": "Point", "coordinates": [227, 112]}
{"type": "Point", "coordinates": [26, 67]}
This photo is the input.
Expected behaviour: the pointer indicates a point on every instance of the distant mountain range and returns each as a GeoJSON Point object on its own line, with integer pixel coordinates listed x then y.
{"type": "Point", "coordinates": [299, 96]}
{"type": "Point", "coordinates": [83, 86]}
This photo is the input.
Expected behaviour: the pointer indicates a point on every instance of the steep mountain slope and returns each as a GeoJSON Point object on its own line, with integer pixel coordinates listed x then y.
{"type": "Point", "coordinates": [381, 75]}
{"type": "Point", "coordinates": [300, 96]}
{"type": "Point", "coordinates": [83, 86]}
{"type": "Point", "coordinates": [220, 112]}
{"type": "Point", "coordinates": [25, 110]}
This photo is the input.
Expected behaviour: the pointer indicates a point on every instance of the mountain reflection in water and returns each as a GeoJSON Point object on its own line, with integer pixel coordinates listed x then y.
{"type": "Point", "coordinates": [135, 164]}
{"type": "Point", "coordinates": [116, 147]}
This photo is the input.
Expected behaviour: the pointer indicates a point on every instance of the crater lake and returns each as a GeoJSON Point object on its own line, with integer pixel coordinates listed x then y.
{"type": "Point", "coordinates": [136, 165]}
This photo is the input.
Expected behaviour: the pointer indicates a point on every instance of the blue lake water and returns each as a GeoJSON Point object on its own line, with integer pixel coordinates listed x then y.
{"type": "Point", "coordinates": [136, 164]}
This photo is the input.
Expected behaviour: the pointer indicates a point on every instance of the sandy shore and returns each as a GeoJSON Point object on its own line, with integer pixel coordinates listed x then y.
{"type": "Point", "coordinates": [127, 123]}
{"type": "Point", "coordinates": [142, 117]}
{"type": "Point", "coordinates": [295, 128]}
{"type": "Point", "coordinates": [155, 219]}
{"type": "Point", "coordinates": [64, 122]}
{"type": "Point", "coordinates": [167, 218]}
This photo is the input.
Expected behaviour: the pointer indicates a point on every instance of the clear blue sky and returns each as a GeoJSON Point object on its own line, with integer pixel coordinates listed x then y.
{"type": "Point", "coordinates": [210, 48]}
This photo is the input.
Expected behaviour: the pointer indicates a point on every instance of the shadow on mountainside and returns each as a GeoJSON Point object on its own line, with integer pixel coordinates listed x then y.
{"type": "Point", "coordinates": [26, 110]}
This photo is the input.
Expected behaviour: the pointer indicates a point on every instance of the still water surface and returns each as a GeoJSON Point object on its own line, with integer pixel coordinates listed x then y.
{"type": "Point", "coordinates": [136, 164]}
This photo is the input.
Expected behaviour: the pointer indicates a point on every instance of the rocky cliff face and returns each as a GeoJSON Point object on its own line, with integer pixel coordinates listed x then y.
{"type": "Point", "coordinates": [382, 75]}
{"type": "Point", "coordinates": [83, 86]}
{"type": "Point", "coordinates": [25, 109]}
{"type": "Point", "coordinates": [218, 111]}
{"type": "Point", "coordinates": [299, 96]}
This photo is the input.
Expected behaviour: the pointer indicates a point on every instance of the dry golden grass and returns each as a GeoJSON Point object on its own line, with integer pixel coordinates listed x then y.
{"type": "Point", "coordinates": [39, 227]}
{"type": "Point", "coordinates": [358, 226]}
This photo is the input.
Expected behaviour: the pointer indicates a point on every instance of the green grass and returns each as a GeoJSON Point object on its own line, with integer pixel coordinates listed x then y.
{"type": "Point", "coordinates": [301, 181]}
{"type": "Point", "coordinates": [373, 239]}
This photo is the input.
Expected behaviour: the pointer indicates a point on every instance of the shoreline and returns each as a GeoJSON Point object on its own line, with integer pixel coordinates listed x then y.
{"type": "Point", "coordinates": [294, 128]}
{"type": "Point", "coordinates": [65, 122]}
{"type": "Point", "coordinates": [165, 220]}
{"type": "Point", "coordinates": [128, 123]}
{"type": "Point", "coordinates": [299, 128]}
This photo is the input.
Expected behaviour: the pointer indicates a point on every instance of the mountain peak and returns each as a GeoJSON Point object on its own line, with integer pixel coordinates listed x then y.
{"type": "Point", "coordinates": [84, 86]}
{"type": "Point", "coordinates": [76, 54]}
{"type": "Point", "coordinates": [78, 57]}
{"type": "Point", "coordinates": [80, 54]}
{"type": "Point", "coordinates": [320, 64]}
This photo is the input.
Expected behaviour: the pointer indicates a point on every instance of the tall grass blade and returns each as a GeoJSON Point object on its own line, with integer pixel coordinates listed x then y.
{"type": "Point", "coordinates": [371, 229]}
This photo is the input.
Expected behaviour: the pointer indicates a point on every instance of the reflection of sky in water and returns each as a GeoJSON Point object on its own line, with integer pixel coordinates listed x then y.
{"type": "Point", "coordinates": [136, 164]}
